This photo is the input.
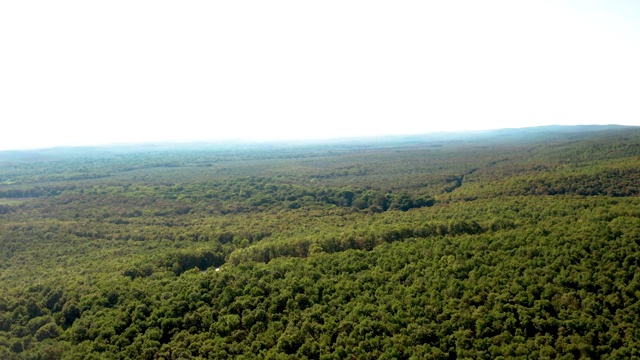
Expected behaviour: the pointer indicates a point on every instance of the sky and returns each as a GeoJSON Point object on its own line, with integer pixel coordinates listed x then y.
{"type": "Point", "coordinates": [101, 72]}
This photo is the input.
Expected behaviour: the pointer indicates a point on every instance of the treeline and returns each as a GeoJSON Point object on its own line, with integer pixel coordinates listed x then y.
{"type": "Point", "coordinates": [247, 194]}
{"type": "Point", "coordinates": [615, 179]}
{"type": "Point", "coordinates": [33, 192]}
{"type": "Point", "coordinates": [364, 240]}
{"type": "Point", "coordinates": [613, 182]}
{"type": "Point", "coordinates": [230, 196]}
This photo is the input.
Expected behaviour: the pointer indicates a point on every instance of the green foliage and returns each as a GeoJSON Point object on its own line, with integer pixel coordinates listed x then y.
{"type": "Point", "coordinates": [524, 246]}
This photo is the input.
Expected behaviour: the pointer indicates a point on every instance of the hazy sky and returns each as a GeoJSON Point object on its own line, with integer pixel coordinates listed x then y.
{"type": "Point", "coordinates": [92, 72]}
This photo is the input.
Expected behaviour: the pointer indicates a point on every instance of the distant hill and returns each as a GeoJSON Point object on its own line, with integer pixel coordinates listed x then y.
{"type": "Point", "coordinates": [508, 134]}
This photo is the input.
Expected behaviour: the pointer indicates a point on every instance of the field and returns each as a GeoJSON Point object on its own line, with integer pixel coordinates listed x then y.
{"type": "Point", "coordinates": [500, 244]}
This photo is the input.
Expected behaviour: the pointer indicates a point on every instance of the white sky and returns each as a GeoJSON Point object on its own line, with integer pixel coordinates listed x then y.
{"type": "Point", "coordinates": [93, 72]}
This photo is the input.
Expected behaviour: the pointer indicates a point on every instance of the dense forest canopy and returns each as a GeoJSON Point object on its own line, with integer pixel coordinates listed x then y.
{"type": "Point", "coordinates": [516, 243]}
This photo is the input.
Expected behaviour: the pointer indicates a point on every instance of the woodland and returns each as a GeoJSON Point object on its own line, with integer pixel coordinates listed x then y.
{"type": "Point", "coordinates": [515, 243]}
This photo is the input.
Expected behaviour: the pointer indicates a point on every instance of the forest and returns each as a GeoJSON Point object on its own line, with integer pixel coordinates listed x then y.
{"type": "Point", "coordinates": [514, 243]}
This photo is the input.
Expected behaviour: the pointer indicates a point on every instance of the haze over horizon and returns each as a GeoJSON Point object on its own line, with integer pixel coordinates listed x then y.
{"type": "Point", "coordinates": [76, 73]}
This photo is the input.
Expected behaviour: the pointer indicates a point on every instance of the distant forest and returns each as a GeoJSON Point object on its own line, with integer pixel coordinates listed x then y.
{"type": "Point", "coordinates": [514, 243]}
